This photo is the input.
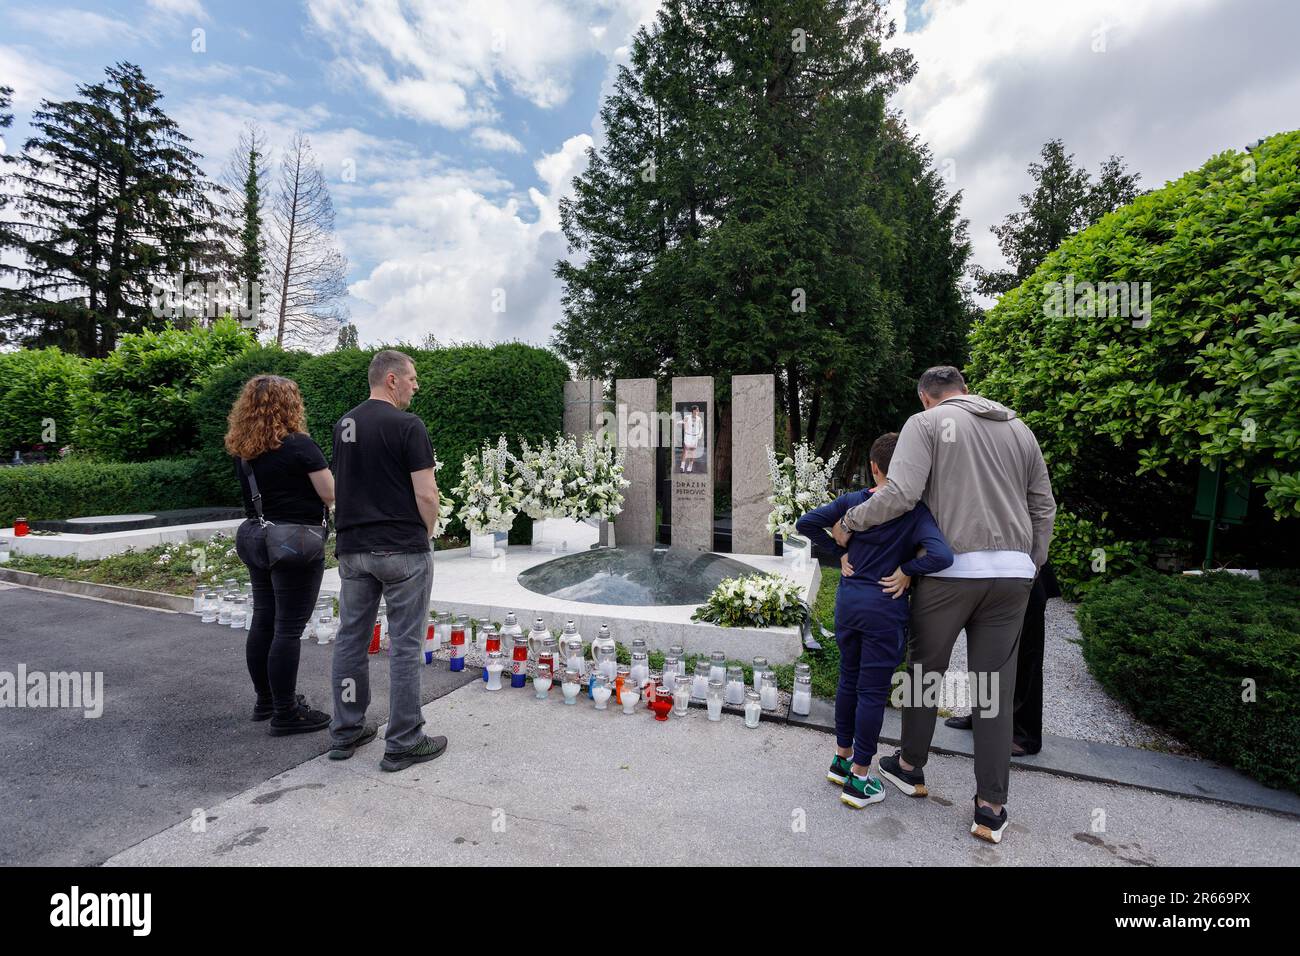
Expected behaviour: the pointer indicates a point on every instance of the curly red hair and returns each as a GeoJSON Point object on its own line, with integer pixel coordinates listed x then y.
{"type": "Point", "coordinates": [268, 408]}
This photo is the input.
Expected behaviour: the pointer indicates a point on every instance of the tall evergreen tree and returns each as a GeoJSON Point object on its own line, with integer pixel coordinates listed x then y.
{"type": "Point", "coordinates": [756, 208]}
{"type": "Point", "coordinates": [347, 337]}
{"type": "Point", "coordinates": [1065, 200]}
{"type": "Point", "coordinates": [112, 202]}
{"type": "Point", "coordinates": [246, 180]}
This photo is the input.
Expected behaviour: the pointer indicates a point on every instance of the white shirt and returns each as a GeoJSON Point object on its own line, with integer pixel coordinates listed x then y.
{"type": "Point", "coordinates": [989, 564]}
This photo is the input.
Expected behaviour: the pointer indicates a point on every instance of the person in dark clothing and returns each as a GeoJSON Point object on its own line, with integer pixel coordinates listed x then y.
{"type": "Point", "coordinates": [870, 620]}
{"type": "Point", "coordinates": [387, 510]}
{"type": "Point", "coordinates": [1027, 723]}
{"type": "Point", "coordinates": [268, 431]}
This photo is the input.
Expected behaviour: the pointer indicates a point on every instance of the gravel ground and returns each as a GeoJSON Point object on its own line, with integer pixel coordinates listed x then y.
{"type": "Point", "coordinates": [1074, 704]}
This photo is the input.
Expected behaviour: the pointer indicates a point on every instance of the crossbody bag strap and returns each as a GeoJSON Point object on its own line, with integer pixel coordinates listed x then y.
{"type": "Point", "coordinates": [253, 491]}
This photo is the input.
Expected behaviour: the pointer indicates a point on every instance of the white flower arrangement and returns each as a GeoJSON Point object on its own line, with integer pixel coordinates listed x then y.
{"type": "Point", "coordinates": [800, 482]}
{"type": "Point", "coordinates": [446, 504]}
{"type": "Point", "coordinates": [753, 600]}
{"type": "Point", "coordinates": [489, 498]}
{"type": "Point", "coordinates": [546, 474]}
{"type": "Point", "coordinates": [596, 490]}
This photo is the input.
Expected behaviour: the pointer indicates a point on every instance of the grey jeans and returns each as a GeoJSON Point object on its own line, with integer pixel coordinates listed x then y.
{"type": "Point", "coordinates": [992, 610]}
{"type": "Point", "coordinates": [404, 579]}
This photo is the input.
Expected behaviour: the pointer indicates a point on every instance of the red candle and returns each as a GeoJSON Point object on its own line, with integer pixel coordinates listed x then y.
{"type": "Point", "coordinates": [663, 702]}
{"type": "Point", "coordinates": [374, 640]}
{"type": "Point", "coordinates": [20, 527]}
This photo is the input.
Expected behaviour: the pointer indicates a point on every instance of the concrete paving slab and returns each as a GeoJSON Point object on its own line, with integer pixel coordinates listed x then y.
{"type": "Point", "coordinates": [541, 783]}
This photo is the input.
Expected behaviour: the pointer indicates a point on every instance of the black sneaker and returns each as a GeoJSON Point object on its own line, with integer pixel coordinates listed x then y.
{"type": "Point", "coordinates": [987, 824]}
{"type": "Point", "coordinates": [840, 770]}
{"type": "Point", "coordinates": [911, 782]}
{"type": "Point", "coordinates": [266, 711]}
{"type": "Point", "coordinates": [427, 749]}
{"type": "Point", "coordinates": [344, 751]}
{"type": "Point", "coordinates": [303, 720]}
{"type": "Point", "coordinates": [860, 791]}
{"type": "Point", "coordinates": [959, 723]}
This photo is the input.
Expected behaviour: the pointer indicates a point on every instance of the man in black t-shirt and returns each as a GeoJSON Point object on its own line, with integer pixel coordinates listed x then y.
{"type": "Point", "coordinates": [386, 510]}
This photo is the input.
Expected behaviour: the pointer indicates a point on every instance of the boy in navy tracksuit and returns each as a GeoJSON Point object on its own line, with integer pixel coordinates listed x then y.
{"type": "Point", "coordinates": [871, 618]}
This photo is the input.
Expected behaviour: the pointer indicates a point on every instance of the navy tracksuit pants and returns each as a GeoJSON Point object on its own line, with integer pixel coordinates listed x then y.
{"type": "Point", "coordinates": [868, 657]}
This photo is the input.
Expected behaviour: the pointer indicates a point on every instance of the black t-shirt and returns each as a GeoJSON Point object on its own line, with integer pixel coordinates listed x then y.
{"type": "Point", "coordinates": [376, 447]}
{"type": "Point", "coordinates": [281, 473]}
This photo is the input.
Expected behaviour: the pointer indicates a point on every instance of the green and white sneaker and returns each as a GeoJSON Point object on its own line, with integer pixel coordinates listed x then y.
{"type": "Point", "coordinates": [841, 770]}
{"type": "Point", "coordinates": [859, 791]}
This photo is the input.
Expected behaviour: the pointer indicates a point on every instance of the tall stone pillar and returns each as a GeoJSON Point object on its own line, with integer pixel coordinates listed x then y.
{"type": "Point", "coordinates": [584, 400]}
{"type": "Point", "coordinates": [635, 403]}
{"type": "Point", "coordinates": [753, 427]}
{"type": "Point", "coordinates": [692, 463]}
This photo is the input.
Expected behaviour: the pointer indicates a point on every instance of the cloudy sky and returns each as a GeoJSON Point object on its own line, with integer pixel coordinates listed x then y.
{"type": "Point", "coordinates": [465, 121]}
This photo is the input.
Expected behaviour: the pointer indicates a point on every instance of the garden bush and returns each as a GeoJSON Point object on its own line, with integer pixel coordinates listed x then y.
{"type": "Point", "coordinates": [1127, 407]}
{"type": "Point", "coordinates": [37, 390]}
{"type": "Point", "coordinates": [76, 488]}
{"type": "Point", "coordinates": [139, 400]}
{"type": "Point", "coordinates": [1084, 553]}
{"type": "Point", "coordinates": [1182, 653]}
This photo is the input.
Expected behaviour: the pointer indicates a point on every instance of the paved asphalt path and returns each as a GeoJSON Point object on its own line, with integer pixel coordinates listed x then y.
{"type": "Point", "coordinates": [175, 733]}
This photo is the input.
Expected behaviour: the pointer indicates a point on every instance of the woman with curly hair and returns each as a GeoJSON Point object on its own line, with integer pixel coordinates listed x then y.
{"type": "Point", "coordinates": [269, 441]}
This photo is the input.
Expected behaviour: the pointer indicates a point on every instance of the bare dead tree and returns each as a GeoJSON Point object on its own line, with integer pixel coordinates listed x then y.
{"type": "Point", "coordinates": [307, 271]}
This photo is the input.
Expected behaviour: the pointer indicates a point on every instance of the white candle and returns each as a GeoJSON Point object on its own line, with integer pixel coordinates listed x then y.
{"type": "Point", "coordinates": [769, 697]}
{"type": "Point", "coordinates": [715, 709]}
{"type": "Point", "coordinates": [735, 692]}
{"type": "Point", "coordinates": [542, 685]}
{"type": "Point", "coordinates": [681, 701]}
{"type": "Point", "coordinates": [600, 695]}
{"type": "Point", "coordinates": [801, 703]}
{"type": "Point", "coordinates": [570, 692]}
{"type": "Point", "coordinates": [494, 676]}
{"type": "Point", "coordinates": [630, 695]}
{"type": "Point", "coordinates": [752, 713]}
{"type": "Point", "coordinates": [699, 687]}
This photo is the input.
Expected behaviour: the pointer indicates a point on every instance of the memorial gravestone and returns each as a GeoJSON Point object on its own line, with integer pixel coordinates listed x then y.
{"type": "Point", "coordinates": [753, 423]}
{"type": "Point", "coordinates": [691, 463]}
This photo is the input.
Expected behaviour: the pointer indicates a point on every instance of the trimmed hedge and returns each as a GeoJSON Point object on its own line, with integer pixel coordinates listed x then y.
{"type": "Point", "coordinates": [1128, 406]}
{"type": "Point", "coordinates": [1177, 651]}
{"type": "Point", "coordinates": [36, 386]}
{"type": "Point", "coordinates": [212, 407]}
{"type": "Point", "coordinates": [76, 488]}
{"type": "Point", "coordinates": [467, 394]}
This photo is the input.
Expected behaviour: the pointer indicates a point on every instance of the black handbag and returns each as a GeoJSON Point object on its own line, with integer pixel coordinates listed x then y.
{"type": "Point", "coordinates": [266, 545]}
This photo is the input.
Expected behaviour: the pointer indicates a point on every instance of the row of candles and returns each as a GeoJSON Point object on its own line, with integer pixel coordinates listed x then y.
{"type": "Point", "coordinates": [713, 683]}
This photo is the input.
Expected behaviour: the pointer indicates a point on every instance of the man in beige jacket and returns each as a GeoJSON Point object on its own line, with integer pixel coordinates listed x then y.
{"type": "Point", "coordinates": [979, 470]}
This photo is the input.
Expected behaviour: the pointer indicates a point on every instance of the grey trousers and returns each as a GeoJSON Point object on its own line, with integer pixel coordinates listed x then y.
{"type": "Point", "coordinates": [992, 611]}
{"type": "Point", "coordinates": [404, 579]}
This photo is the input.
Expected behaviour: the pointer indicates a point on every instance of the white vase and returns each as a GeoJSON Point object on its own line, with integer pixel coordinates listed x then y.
{"type": "Point", "coordinates": [489, 544]}
{"type": "Point", "coordinates": [607, 539]}
{"type": "Point", "coordinates": [544, 532]}
{"type": "Point", "coordinates": [795, 549]}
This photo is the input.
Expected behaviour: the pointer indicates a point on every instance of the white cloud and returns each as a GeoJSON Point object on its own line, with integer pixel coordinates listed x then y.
{"type": "Point", "coordinates": [495, 139]}
{"type": "Point", "coordinates": [68, 27]}
{"type": "Point", "coordinates": [441, 61]}
{"type": "Point", "coordinates": [1164, 85]}
{"type": "Point", "coordinates": [32, 77]}
{"type": "Point", "coordinates": [180, 8]}
{"type": "Point", "coordinates": [452, 252]}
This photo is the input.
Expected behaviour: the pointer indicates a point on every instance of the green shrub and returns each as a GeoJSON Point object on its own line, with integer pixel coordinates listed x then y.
{"type": "Point", "coordinates": [76, 488]}
{"type": "Point", "coordinates": [212, 409]}
{"type": "Point", "coordinates": [139, 400]}
{"type": "Point", "coordinates": [37, 391]}
{"type": "Point", "coordinates": [1180, 651]}
{"type": "Point", "coordinates": [1127, 411]}
{"type": "Point", "coordinates": [1084, 553]}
